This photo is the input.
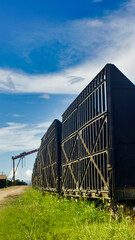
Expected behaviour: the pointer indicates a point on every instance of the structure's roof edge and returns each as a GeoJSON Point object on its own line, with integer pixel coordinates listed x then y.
{"type": "Point", "coordinates": [108, 64]}
{"type": "Point", "coordinates": [113, 70]}
{"type": "Point", "coordinates": [3, 177]}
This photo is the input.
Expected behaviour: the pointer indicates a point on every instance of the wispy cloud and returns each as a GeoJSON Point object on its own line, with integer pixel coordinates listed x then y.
{"type": "Point", "coordinates": [17, 115]}
{"type": "Point", "coordinates": [21, 136]}
{"type": "Point", "coordinates": [97, 41]}
{"type": "Point", "coordinates": [51, 83]}
{"type": "Point", "coordinates": [73, 80]}
{"type": "Point", "coordinates": [45, 96]}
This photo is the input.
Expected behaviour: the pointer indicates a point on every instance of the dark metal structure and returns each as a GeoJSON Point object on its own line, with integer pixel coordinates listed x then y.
{"type": "Point", "coordinates": [96, 156]}
{"type": "Point", "coordinates": [47, 168]}
{"type": "Point", "coordinates": [98, 139]}
{"type": "Point", "coordinates": [36, 175]}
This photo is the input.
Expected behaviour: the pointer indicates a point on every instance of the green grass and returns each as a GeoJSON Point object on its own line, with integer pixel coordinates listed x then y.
{"type": "Point", "coordinates": [35, 216]}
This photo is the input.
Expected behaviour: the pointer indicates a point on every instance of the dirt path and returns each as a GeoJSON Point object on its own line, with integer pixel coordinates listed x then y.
{"type": "Point", "coordinates": [11, 192]}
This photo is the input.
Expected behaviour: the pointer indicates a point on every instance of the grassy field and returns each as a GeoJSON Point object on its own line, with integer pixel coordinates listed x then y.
{"type": "Point", "coordinates": [35, 216]}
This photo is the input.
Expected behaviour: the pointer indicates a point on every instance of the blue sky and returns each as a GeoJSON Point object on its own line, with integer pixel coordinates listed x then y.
{"type": "Point", "coordinates": [49, 51]}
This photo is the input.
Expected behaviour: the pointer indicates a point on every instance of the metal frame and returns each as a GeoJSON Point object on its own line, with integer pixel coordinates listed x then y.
{"type": "Point", "coordinates": [92, 163]}
{"type": "Point", "coordinates": [84, 153]}
{"type": "Point", "coordinates": [47, 168]}
{"type": "Point", "coordinates": [98, 142]}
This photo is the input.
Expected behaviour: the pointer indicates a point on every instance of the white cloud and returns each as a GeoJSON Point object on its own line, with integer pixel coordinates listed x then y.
{"type": "Point", "coordinates": [51, 83]}
{"type": "Point", "coordinates": [10, 176]}
{"type": "Point", "coordinates": [95, 23]}
{"type": "Point", "coordinates": [45, 96]}
{"type": "Point", "coordinates": [28, 173]}
{"type": "Point", "coordinates": [21, 174]}
{"type": "Point", "coordinates": [21, 137]}
{"type": "Point", "coordinates": [108, 39]}
{"type": "Point", "coordinates": [17, 115]}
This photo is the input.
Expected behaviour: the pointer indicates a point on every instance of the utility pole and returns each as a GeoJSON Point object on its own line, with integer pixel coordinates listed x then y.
{"type": "Point", "coordinates": [13, 170]}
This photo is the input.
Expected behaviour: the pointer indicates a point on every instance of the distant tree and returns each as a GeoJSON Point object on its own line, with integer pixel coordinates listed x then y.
{"type": "Point", "coordinates": [8, 183]}
{"type": "Point", "coordinates": [18, 182]}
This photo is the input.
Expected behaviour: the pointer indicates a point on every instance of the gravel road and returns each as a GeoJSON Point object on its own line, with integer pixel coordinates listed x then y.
{"type": "Point", "coordinates": [11, 192]}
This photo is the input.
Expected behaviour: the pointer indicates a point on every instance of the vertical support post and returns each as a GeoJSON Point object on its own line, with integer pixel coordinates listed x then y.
{"type": "Point", "coordinates": [13, 170]}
